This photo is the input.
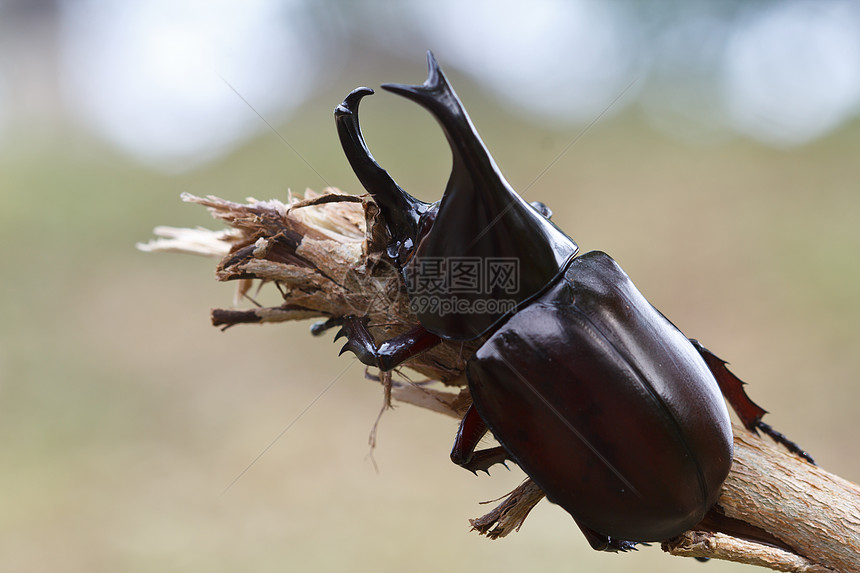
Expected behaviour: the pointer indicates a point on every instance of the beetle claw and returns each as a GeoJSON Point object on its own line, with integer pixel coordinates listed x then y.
{"type": "Point", "coordinates": [361, 353]}
{"type": "Point", "coordinates": [622, 546]}
{"type": "Point", "coordinates": [358, 340]}
{"type": "Point", "coordinates": [484, 466]}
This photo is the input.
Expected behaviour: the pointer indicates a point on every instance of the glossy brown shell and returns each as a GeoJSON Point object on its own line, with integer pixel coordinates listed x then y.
{"type": "Point", "coordinates": [606, 405]}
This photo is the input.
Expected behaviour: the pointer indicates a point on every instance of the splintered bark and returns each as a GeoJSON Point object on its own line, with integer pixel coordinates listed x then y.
{"type": "Point", "coordinates": [325, 253]}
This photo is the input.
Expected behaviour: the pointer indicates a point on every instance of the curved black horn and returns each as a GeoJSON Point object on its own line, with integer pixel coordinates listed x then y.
{"type": "Point", "coordinates": [439, 98]}
{"type": "Point", "coordinates": [400, 210]}
{"type": "Point", "coordinates": [480, 218]}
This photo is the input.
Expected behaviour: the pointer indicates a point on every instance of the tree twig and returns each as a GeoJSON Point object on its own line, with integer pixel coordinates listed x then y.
{"type": "Point", "coordinates": [325, 253]}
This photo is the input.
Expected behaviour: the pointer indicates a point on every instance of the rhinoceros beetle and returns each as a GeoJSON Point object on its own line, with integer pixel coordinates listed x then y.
{"type": "Point", "coordinates": [602, 401]}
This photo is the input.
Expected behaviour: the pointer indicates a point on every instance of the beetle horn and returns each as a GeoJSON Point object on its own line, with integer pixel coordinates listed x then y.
{"type": "Point", "coordinates": [480, 218]}
{"type": "Point", "coordinates": [473, 164]}
{"type": "Point", "coordinates": [400, 210]}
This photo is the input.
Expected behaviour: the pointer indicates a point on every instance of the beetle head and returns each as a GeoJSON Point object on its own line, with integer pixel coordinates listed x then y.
{"type": "Point", "coordinates": [482, 251]}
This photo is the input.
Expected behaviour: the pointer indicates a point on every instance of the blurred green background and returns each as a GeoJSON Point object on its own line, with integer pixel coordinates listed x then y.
{"type": "Point", "coordinates": [124, 415]}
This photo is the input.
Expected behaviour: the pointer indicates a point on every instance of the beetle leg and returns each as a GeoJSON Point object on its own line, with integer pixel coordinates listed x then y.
{"type": "Point", "coordinates": [748, 411]}
{"type": "Point", "coordinates": [781, 438]}
{"type": "Point", "coordinates": [601, 542]}
{"type": "Point", "coordinates": [472, 429]}
{"type": "Point", "coordinates": [388, 354]}
{"type": "Point", "coordinates": [320, 327]}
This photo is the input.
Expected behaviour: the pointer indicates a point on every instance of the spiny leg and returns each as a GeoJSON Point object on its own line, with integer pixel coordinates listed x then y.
{"type": "Point", "coordinates": [748, 411]}
{"type": "Point", "coordinates": [601, 542]}
{"type": "Point", "coordinates": [472, 429]}
{"type": "Point", "coordinates": [388, 354]}
{"type": "Point", "coordinates": [781, 438]}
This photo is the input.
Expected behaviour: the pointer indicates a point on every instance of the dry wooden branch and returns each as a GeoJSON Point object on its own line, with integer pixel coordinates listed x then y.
{"type": "Point", "coordinates": [325, 253]}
